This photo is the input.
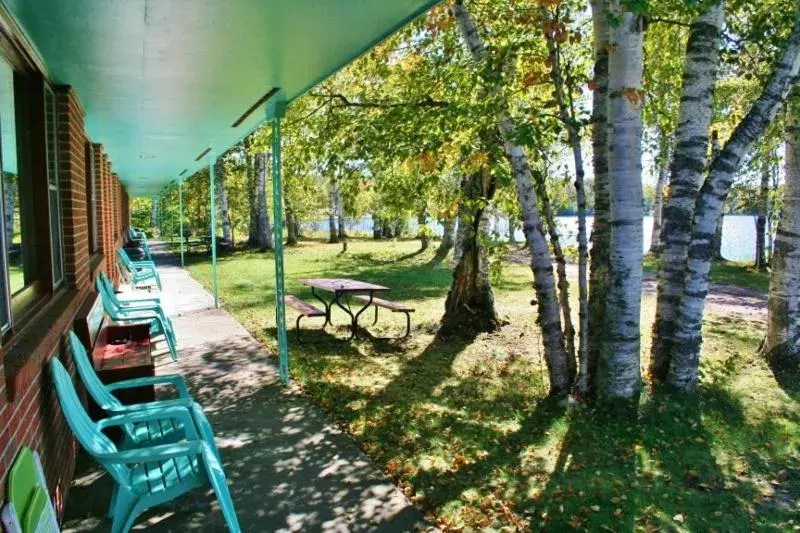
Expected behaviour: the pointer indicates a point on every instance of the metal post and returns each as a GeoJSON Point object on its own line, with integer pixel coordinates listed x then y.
{"type": "Point", "coordinates": [213, 194]}
{"type": "Point", "coordinates": [180, 217]}
{"type": "Point", "coordinates": [277, 208]}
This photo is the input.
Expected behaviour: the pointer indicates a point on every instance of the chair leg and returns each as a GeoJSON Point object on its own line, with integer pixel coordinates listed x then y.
{"type": "Point", "coordinates": [124, 515]}
{"type": "Point", "coordinates": [112, 505]}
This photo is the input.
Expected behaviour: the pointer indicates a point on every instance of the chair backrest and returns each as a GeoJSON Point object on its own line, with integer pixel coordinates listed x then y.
{"type": "Point", "coordinates": [95, 387]}
{"type": "Point", "coordinates": [106, 292]}
{"type": "Point", "coordinates": [85, 430]}
{"type": "Point", "coordinates": [126, 260]}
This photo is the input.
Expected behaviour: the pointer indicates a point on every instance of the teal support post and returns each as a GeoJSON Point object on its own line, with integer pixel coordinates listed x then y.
{"type": "Point", "coordinates": [213, 194]}
{"type": "Point", "coordinates": [277, 208]}
{"type": "Point", "coordinates": [180, 218]}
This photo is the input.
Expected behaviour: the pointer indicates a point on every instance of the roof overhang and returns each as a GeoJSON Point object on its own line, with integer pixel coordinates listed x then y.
{"type": "Point", "coordinates": [162, 81]}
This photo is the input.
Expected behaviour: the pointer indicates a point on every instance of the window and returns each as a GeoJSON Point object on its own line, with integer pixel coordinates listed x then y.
{"type": "Point", "coordinates": [31, 240]}
{"type": "Point", "coordinates": [53, 193]}
{"type": "Point", "coordinates": [8, 196]}
{"type": "Point", "coordinates": [91, 196]}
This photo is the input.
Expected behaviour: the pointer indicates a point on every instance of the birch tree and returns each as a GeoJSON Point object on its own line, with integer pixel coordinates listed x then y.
{"type": "Point", "coordinates": [689, 162]}
{"type": "Point", "coordinates": [782, 344]}
{"type": "Point", "coordinates": [601, 229]}
{"type": "Point", "coordinates": [618, 372]}
{"type": "Point", "coordinates": [685, 358]}
{"type": "Point", "coordinates": [222, 199]}
{"type": "Point", "coordinates": [561, 368]}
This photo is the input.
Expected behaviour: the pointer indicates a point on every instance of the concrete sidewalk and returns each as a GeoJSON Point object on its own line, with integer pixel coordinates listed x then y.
{"type": "Point", "coordinates": [288, 468]}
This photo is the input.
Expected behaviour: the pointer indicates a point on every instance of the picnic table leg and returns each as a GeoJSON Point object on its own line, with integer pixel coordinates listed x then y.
{"type": "Point", "coordinates": [327, 307]}
{"type": "Point", "coordinates": [358, 314]}
{"type": "Point", "coordinates": [347, 310]}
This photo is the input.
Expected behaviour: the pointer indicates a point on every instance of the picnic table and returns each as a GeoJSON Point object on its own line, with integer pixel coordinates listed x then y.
{"type": "Point", "coordinates": [342, 288]}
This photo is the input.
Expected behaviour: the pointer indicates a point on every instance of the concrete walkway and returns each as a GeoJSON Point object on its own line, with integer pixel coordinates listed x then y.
{"type": "Point", "coordinates": [288, 468]}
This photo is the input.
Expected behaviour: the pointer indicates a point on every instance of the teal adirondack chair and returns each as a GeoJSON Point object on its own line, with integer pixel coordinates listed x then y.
{"type": "Point", "coordinates": [139, 271]}
{"type": "Point", "coordinates": [134, 234]}
{"type": "Point", "coordinates": [136, 309]}
{"type": "Point", "coordinates": [136, 435]}
{"type": "Point", "coordinates": [129, 298]}
{"type": "Point", "coordinates": [158, 325]}
{"type": "Point", "coordinates": [147, 476]}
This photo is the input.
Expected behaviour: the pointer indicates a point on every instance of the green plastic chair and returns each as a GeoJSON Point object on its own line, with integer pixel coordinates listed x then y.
{"type": "Point", "coordinates": [138, 235]}
{"type": "Point", "coordinates": [158, 323]}
{"type": "Point", "coordinates": [134, 309]}
{"type": "Point", "coordinates": [137, 435]}
{"type": "Point", "coordinates": [29, 509]}
{"type": "Point", "coordinates": [139, 271]}
{"type": "Point", "coordinates": [147, 476]}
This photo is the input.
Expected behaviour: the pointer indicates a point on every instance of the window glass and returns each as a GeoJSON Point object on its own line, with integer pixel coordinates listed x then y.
{"type": "Point", "coordinates": [56, 247]}
{"type": "Point", "coordinates": [8, 173]}
{"type": "Point", "coordinates": [11, 197]}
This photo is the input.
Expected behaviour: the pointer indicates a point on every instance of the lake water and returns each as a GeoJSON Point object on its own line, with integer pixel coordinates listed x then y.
{"type": "Point", "coordinates": [738, 232]}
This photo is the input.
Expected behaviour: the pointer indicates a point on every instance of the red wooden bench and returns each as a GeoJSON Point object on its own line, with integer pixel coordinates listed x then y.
{"type": "Point", "coordinates": [304, 309]}
{"type": "Point", "coordinates": [394, 307]}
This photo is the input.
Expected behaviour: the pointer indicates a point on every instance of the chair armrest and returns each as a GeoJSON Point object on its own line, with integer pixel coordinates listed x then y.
{"type": "Point", "coordinates": [134, 300]}
{"type": "Point", "coordinates": [182, 414]}
{"type": "Point", "coordinates": [174, 379]}
{"type": "Point", "coordinates": [143, 263]}
{"type": "Point", "coordinates": [185, 403]}
{"type": "Point", "coordinates": [156, 453]}
{"type": "Point", "coordinates": [133, 306]}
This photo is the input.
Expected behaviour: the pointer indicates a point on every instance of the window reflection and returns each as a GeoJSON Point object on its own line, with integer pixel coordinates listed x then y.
{"type": "Point", "coordinates": [11, 203]}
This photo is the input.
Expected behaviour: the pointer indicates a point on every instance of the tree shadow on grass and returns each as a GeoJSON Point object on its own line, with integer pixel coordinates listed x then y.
{"type": "Point", "coordinates": [787, 378]}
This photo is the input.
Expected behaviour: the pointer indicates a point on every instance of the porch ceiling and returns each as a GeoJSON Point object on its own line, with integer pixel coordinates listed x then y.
{"type": "Point", "coordinates": [163, 80]}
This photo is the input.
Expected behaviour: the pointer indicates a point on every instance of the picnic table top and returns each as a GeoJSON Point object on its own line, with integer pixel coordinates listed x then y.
{"type": "Point", "coordinates": [342, 285]}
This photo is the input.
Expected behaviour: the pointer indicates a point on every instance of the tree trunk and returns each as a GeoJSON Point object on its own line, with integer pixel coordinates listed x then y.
{"type": "Point", "coordinates": [689, 161]}
{"type": "Point", "coordinates": [782, 344]}
{"type": "Point", "coordinates": [448, 239]}
{"type": "Point", "coordinates": [618, 371]}
{"type": "Point", "coordinates": [292, 231]}
{"type": "Point", "coordinates": [566, 112]}
{"type": "Point", "coordinates": [716, 253]}
{"type": "Point", "coordinates": [222, 200]}
{"type": "Point", "coordinates": [512, 230]}
{"type": "Point", "coordinates": [10, 212]}
{"type": "Point", "coordinates": [252, 187]}
{"type": "Point", "coordinates": [422, 231]}
{"type": "Point", "coordinates": [470, 302]}
{"type": "Point", "coordinates": [761, 220]}
{"type": "Point", "coordinates": [342, 230]}
{"type": "Point", "coordinates": [561, 368]}
{"type": "Point", "coordinates": [601, 229]}
{"type": "Point", "coordinates": [561, 263]}
{"type": "Point", "coordinates": [333, 234]}
{"type": "Point", "coordinates": [263, 229]}
{"type": "Point", "coordinates": [686, 351]}
{"type": "Point", "coordinates": [658, 204]}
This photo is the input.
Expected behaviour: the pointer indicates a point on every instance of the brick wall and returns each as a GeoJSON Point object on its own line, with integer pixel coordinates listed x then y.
{"type": "Point", "coordinates": [29, 411]}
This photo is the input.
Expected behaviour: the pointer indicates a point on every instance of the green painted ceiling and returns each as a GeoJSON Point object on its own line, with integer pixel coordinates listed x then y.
{"type": "Point", "coordinates": [162, 80]}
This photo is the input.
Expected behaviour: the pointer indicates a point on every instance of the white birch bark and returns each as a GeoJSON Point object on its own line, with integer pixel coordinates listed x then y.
{"type": "Point", "coordinates": [566, 112]}
{"type": "Point", "coordinates": [222, 200]}
{"type": "Point", "coordinates": [618, 371]}
{"type": "Point", "coordinates": [263, 228]}
{"type": "Point", "coordinates": [601, 229]}
{"type": "Point", "coordinates": [782, 344]}
{"type": "Point", "coordinates": [561, 368]}
{"type": "Point", "coordinates": [689, 163]}
{"type": "Point", "coordinates": [688, 338]}
{"type": "Point", "coordinates": [658, 203]}
{"type": "Point", "coordinates": [761, 219]}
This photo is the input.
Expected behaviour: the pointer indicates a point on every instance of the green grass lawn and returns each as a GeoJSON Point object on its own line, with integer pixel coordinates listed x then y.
{"type": "Point", "coordinates": [463, 426]}
{"type": "Point", "coordinates": [738, 274]}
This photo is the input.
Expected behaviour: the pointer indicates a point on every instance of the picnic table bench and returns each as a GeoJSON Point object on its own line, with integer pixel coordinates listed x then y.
{"type": "Point", "coordinates": [341, 289]}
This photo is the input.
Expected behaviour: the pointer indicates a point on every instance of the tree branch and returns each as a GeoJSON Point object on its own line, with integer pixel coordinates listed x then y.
{"type": "Point", "coordinates": [345, 102]}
